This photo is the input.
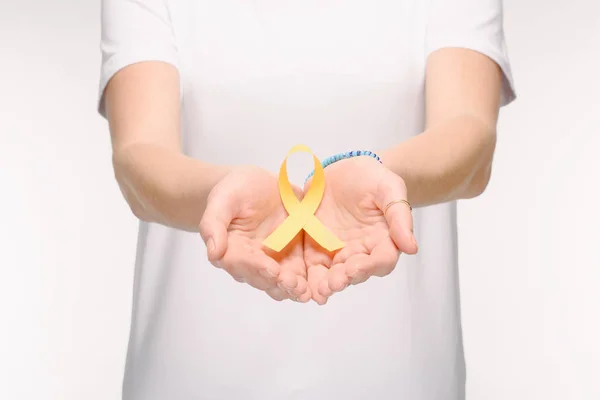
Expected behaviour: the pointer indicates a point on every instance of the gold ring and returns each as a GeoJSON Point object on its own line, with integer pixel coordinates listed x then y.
{"type": "Point", "coordinates": [391, 203]}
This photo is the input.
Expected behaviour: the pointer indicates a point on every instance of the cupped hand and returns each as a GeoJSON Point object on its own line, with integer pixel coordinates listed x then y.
{"type": "Point", "coordinates": [357, 191]}
{"type": "Point", "coordinates": [242, 210]}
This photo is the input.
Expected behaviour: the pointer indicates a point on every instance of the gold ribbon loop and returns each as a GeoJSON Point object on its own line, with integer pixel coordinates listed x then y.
{"type": "Point", "coordinates": [302, 213]}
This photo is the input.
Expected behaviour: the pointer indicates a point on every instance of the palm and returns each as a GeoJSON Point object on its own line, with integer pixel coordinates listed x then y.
{"type": "Point", "coordinates": [245, 208]}
{"type": "Point", "coordinates": [355, 194]}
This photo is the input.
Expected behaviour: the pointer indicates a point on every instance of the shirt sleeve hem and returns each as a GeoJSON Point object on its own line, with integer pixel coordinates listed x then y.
{"type": "Point", "coordinates": [124, 59]}
{"type": "Point", "coordinates": [508, 92]}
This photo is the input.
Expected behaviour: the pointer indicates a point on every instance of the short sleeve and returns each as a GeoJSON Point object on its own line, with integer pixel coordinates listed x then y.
{"type": "Point", "coordinates": [133, 31]}
{"type": "Point", "coordinates": [473, 24]}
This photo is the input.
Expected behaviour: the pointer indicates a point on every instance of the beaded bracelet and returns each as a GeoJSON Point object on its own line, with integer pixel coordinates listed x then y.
{"type": "Point", "coordinates": [349, 154]}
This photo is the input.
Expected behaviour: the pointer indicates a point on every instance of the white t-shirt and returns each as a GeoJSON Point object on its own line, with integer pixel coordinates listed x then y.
{"type": "Point", "coordinates": [259, 76]}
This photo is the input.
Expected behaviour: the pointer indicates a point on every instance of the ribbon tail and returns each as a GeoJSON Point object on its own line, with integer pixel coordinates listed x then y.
{"type": "Point", "coordinates": [285, 232]}
{"type": "Point", "coordinates": [323, 236]}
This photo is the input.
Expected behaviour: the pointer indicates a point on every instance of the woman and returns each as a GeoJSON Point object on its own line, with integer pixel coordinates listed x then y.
{"type": "Point", "coordinates": [205, 98]}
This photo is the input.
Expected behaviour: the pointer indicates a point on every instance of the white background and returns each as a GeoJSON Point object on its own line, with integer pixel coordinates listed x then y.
{"type": "Point", "coordinates": [529, 247]}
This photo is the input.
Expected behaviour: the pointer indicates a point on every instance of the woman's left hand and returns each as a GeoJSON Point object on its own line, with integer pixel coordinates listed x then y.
{"type": "Point", "coordinates": [357, 191]}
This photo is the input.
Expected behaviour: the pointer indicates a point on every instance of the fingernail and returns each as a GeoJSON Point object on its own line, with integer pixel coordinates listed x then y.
{"type": "Point", "coordinates": [415, 243]}
{"type": "Point", "coordinates": [210, 245]}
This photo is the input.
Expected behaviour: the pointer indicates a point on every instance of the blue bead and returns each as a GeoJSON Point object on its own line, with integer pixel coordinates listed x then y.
{"type": "Point", "coordinates": [341, 156]}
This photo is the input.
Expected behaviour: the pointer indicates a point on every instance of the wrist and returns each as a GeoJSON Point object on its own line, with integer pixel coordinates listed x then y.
{"type": "Point", "coordinates": [165, 186]}
{"type": "Point", "coordinates": [185, 191]}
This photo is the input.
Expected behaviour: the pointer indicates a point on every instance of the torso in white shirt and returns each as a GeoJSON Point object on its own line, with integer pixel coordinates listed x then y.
{"type": "Point", "coordinates": [258, 77]}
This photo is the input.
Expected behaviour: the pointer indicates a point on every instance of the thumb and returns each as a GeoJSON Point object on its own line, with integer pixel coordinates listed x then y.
{"type": "Point", "coordinates": [392, 201]}
{"type": "Point", "coordinates": [213, 227]}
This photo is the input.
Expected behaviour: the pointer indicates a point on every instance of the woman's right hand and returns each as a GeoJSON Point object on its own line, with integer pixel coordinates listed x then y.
{"type": "Point", "coordinates": [242, 210]}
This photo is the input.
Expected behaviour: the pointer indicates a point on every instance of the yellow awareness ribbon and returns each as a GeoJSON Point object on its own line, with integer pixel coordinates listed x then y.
{"type": "Point", "coordinates": [301, 214]}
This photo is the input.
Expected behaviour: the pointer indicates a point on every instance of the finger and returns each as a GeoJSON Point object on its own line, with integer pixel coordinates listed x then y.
{"type": "Point", "coordinates": [298, 290]}
{"type": "Point", "coordinates": [316, 274]}
{"type": "Point", "coordinates": [301, 293]}
{"type": "Point", "coordinates": [400, 221]}
{"type": "Point", "coordinates": [358, 268]}
{"type": "Point", "coordinates": [294, 264]}
{"type": "Point", "coordinates": [383, 258]}
{"type": "Point", "coordinates": [276, 294]}
{"type": "Point", "coordinates": [244, 275]}
{"type": "Point", "coordinates": [324, 289]}
{"type": "Point", "coordinates": [306, 296]}
{"type": "Point", "coordinates": [381, 262]}
{"type": "Point", "coordinates": [398, 215]}
{"type": "Point", "coordinates": [338, 279]}
{"type": "Point", "coordinates": [254, 268]}
{"type": "Point", "coordinates": [260, 283]}
{"type": "Point", "coordinates": [213, 226]}
{"type": "Point", "coordinates": [292, 278]}
{"type": "Point", "coordinates": [348, 251]}
{"type": "Point", "coordinates": [301, 287]}
{"type": "Point", "coordinates": [288, 281]}
{"type": "Point", "coordinates": [296, 286]}
{"type": "Point", "coordinates": [314, 254]}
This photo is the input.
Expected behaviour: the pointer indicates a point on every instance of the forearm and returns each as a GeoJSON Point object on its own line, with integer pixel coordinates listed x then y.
{"type": "Point", "coordinates": [165, 186]}
{"type": "Point", "coordinates": [447, 162]}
